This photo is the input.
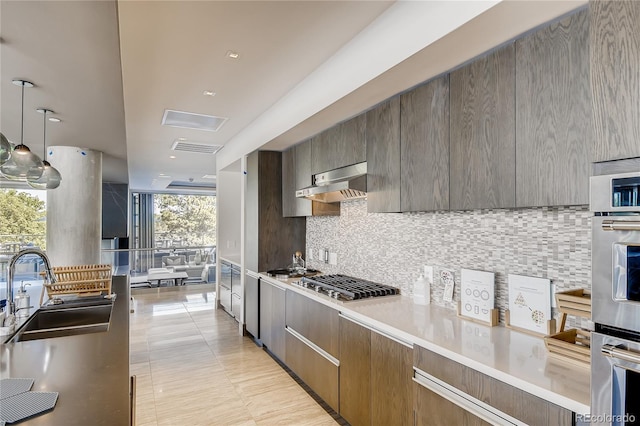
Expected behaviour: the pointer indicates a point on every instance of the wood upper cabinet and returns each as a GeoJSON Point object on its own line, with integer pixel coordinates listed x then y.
{"type": "Point", "coordinates": [482, 146]}
{"type": "Point", "coordinates": [424, 154]}
{"type": "Point", "coordinates": [553, 114]}
{"type": "Point", "coordinates": [614, 39]}
{"type": "Point", "coordinates": [296, 174]}
{"type": "Point", "coordinates": [383, 157]}
{"type": "Point", "coordinates": [341, 145]}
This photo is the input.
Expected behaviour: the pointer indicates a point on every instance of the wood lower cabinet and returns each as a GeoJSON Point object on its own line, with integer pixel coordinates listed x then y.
{"type": "Point", "coordinates": [316, 369]}
{"type": "Point", "coordinates": [272, 318]}
{"type": "Point", "coordinates": [314, 321]}
{"type": "Point", "coordinates": [391, 385]}
{"type": "Point", "coordinates": [355, 373]}
{"type": "Point", "coordinates": [434, 410]}
{"type": "Point", "coordinates": [375, 377]}
{"type": "Point", "coordinates": [460, 385]}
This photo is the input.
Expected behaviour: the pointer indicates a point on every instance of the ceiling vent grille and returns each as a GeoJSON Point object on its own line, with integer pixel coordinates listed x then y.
{"type": "Point", "coordinates": [189, 120]}
{"type": "Point", "coordinates": [176, 184]}
{"type": "Point", "coordinates": [197, 147]}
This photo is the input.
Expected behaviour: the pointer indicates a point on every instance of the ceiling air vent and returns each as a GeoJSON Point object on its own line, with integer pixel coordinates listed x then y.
{"type": "Point", "coordinates": [176, 184]}
{"type": "Point", "coordinates": [198, 147]}
{"type": "Point", "coordinates": [189, 120]}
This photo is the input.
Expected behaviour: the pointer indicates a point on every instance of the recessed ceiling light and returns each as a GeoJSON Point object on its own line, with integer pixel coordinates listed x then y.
{"type": "Point", "coordinates": [209, 93]}
{"type": "Point", "coordinates": [182, 139]}
{"type": "Point", "coordinates": [172, 156]}
{"type": "Point", "coordinates": [54, 119]}
{"type": "Point", "coordinates": [233, 55]}
{"type": "Point", "coordinates": [163, 176]}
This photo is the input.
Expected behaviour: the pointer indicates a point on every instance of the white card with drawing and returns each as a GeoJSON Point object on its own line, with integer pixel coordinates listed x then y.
{"type": "Point", "coordinates": [477, 293]}
{"type": "Point", "coordinates": [529, 302]}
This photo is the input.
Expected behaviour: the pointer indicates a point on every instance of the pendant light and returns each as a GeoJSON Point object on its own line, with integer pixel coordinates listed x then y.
{"type": "Point", "coordinates": [51, 177]}
{"type": "Point", "coordinates": [5, 149]}
{"type": "Point", "coordinates": [23, 164]}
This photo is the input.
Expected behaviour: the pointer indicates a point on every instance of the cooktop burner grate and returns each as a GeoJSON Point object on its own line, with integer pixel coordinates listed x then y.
{"type": "Point", "coordinates": [345, 287]}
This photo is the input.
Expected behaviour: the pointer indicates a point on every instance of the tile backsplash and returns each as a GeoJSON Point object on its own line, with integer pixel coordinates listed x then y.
{"type": "Point", "coordinates": [391, 248]}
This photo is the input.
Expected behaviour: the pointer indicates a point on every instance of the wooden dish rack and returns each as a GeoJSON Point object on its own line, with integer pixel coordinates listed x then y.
{"type": "Point", "coordinates": [83, 280]}
{"type": "Point", "coordinates": [572, 345]}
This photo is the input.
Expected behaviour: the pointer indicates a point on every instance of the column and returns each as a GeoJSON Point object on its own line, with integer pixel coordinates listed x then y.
{"type": "Point", "coordinates": [74, 209]}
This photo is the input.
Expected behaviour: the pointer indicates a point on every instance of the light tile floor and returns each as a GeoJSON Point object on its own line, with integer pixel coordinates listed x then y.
{"type": "Point", "coordinates": [193, 368]}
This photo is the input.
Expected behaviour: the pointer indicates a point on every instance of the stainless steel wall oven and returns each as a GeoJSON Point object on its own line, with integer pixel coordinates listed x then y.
{"type": "Point", "coordinates": [615, 345]}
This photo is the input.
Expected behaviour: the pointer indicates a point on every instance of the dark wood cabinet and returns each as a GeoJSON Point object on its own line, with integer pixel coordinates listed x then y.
{"type": "Point", "coordinates": [614, 41]}
{"type": "Point", "coordinates": [375, 377]}
{"type": "Point", "coordinates": [482, 145]}
{"type": "Point", "coordinates": [424, 155]}
{"type": "Point", "coordinates": [553, 114]}
{"type": "Point", "coordinates": [355, 373]}
{"type": "Point", "coordinates": [316, 370]}
{"type": "Point", "coordinates": [296, 174]}
{"type": "Point", "coordinates": [313, 320]}
{"type": "Point", "coordinates": [503, 399]}
{"type": "Point", "coordinates": [270, 239]}
{"type": "Point", "coordinates": [341, 145]}
{"type": "Point", "coordinates": [383, 157]}
{"type": "Point", "coordinates": [312, 345]}
{"type": "Point", "coordinates": [391, 384]}
{"type": "Point", "coordinates": [431, 409]}
{"type": "Point", "coordinates": [272, 318]}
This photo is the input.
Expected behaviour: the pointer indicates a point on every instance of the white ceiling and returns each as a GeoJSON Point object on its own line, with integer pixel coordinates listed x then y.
{"type": "Point", "coordinates": [110, 70]}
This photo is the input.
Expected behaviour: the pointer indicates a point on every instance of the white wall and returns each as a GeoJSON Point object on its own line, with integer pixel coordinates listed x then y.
{"type": "Point", "coordinates": [229, 207]}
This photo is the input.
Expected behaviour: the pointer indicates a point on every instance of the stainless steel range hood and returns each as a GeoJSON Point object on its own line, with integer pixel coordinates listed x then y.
{"type": "Point", "coordinates": [343, 184]}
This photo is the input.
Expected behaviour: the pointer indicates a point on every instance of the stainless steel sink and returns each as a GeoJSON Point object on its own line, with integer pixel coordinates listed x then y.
{"type": "Point", "coordinates": [70, 320]}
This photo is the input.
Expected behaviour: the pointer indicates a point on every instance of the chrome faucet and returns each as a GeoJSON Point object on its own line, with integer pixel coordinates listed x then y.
{"type": "Point", "coordinates": [11, 307]}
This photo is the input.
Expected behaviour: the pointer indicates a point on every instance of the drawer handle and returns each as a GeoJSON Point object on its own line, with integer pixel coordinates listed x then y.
{"type": "Point", "coordinates": [613, 225]}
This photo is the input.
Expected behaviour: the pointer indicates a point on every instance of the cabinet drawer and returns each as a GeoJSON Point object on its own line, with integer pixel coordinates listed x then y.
{"type": "Point", "coordinates": [505, 398]}
{"type": "Point", "coordinates": [315, 369]}
{"type": "Point", "coordinates": [313, 320]}
{"type": "Point", "coordinates": [225, 297]}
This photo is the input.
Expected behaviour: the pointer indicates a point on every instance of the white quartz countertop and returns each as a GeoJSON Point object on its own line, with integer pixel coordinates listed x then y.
{"type": "Point", "coordinates": [516, 358]}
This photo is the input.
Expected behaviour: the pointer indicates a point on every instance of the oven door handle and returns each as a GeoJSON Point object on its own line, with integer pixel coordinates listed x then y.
{"type": "Point", "coordinates": [620, 353]}
{"type": "Point", "coordinates": [618, 225]}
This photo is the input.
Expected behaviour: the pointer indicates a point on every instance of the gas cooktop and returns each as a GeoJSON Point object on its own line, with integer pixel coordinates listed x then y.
{"type": "Point", "coordinates": [344, 287]}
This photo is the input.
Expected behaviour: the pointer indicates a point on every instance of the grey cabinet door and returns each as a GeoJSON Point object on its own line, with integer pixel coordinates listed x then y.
{"type": "Point", "coordinates": [383, 157]}
{"type": "Point", "coordinates": [252, 305]}
{"type": "Point", "coordinates": [614, 40]}
{"type": "Point", "coordinates": [424, 153]}
{"type": "Point", "coordinates": [278, 331]}
{"type": "Point", "coordinates": [355, 373]}
{"type": "Point", "coordinates": [391, 382]}
{"type": "Point", "coordinates": [482, 173]}
{"type": "Point", "coordinates": [265, 313]}
{"type": "Point", "coordinates": [353, 145]}
{"type": "Point", "coordinates": [341, 145]}
{"type": "Point", "coordinates": [296, 174]}
{"type": "Point", "coordinates": [553, 114]}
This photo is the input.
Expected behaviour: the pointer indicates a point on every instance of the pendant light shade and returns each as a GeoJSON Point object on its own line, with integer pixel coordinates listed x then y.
{"type": "Point", "coordinates": [51, 177]}
{"type": "Point", "coordinates": [5, 149]}
{"type": "Point", "coordinates": [23, 164]}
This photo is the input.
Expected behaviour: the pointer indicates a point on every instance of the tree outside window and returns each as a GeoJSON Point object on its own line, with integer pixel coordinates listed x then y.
{"type": "Point", "coordinates": [184, 220]}
{"type": "Point", "coordinates": [22, 220]}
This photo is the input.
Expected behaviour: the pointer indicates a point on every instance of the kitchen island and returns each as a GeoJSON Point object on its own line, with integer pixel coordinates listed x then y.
{"type": "Point", "coordinates": [90, 372]}
{"type": "Point", "coordinates": [512, 357]}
